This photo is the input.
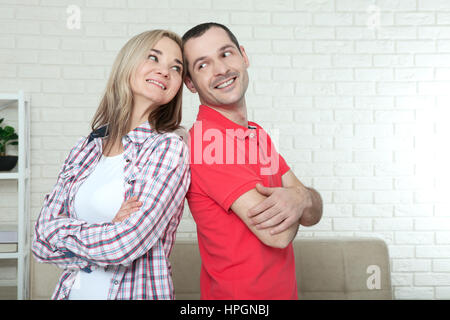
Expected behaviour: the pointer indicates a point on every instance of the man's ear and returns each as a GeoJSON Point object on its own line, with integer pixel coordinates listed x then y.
{"type": "Point", "coordinates": [244, 55]}
{"type": "Point", "coordinates": [189, 84]}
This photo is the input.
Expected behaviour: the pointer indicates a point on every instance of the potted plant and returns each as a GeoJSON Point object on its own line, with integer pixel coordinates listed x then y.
{"type": "Point", "coordinates": [7, 136]}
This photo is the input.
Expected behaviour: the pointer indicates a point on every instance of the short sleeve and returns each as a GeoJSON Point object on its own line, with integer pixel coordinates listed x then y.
{"type": "Point", "coordinates": [224, 183]}
{"type": "Point", "coordinates": [284, 167]}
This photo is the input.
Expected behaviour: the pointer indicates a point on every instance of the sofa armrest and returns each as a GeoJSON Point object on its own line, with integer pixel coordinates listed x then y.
{"type": "Point", "coordinates": [343, 268]}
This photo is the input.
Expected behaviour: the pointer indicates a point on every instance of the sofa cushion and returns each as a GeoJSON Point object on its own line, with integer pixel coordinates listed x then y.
{"type": "Point", "coordinates": [186, 263]}
{"type": "Point", "coordinates": [327, 268]}
{"type": "Point", "coordinates": [343, 268]}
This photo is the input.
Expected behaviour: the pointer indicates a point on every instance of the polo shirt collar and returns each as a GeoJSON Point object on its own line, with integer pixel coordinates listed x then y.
{"type": "Point", "coordinates": [209, 114]}
{"type": "Point", "coordinates": [138, 135]}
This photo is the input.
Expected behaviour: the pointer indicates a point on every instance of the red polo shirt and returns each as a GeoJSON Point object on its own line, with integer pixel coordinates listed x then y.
{"type": "Point", "coordinates": [228, 160]}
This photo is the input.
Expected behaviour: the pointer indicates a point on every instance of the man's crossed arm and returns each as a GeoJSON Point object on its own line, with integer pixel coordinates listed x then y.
{"type": "Point", "coordinates": [274, 214]}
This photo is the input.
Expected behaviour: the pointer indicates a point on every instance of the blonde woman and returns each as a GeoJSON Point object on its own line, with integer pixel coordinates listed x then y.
{"type": "Point", "coordinates": [111, 218]}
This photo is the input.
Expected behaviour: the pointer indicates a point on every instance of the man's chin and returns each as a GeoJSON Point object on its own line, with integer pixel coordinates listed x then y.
{"type": "Point", "coordinates": [229, 101]}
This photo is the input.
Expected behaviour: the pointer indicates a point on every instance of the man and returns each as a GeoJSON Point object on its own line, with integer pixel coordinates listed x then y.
{"type": "Point", "coordinates": [246, 201]}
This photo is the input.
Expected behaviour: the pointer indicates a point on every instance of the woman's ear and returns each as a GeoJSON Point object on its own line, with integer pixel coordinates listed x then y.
{"type": "Point", "coordinates": [189, 84]}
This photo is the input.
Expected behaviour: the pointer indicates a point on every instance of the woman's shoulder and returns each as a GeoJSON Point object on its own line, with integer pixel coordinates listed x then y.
{"type": "Point", "coordinates": [175, 137]}
{"type": "Point", "coordinates": [182, 133]}
{"type": "Point", "coordinates": [75, 152]}
{"type": "Point", "coordinates": [171, 142]}
{"type": "Point", "coordinates": [79, 144]}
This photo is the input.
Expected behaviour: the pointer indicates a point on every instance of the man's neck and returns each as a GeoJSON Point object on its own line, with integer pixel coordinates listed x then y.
{"type": "Point", "coordinates": [237, 114]}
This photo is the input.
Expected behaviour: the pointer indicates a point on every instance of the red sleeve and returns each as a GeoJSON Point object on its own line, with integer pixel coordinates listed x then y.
{"type": "Point", "coordinates": [283, 166]}
{"type": "Point", "coordinates": [224, 183]}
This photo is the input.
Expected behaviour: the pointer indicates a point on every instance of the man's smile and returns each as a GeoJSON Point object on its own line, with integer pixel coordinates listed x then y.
{"type": "Point", "coordinates": [226, 83]}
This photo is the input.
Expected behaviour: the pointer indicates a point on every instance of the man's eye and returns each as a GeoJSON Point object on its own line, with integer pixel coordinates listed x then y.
{"type": "Point", "coordinates": [152, 57]}
{"type": "Point", "coordinates": [202, 65]}
{"type": "Point", "coordinates": [226, 53]}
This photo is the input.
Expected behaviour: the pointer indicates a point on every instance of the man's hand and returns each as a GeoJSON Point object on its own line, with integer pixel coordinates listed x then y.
{"type": "Point", "coordinates": [283, 207]}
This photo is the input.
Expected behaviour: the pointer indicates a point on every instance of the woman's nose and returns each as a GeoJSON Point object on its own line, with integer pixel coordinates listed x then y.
{"type": "Point", "coordinates": [164, 71]}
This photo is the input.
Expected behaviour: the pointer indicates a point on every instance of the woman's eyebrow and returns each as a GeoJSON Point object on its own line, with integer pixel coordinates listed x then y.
{"type": "Point", "coordinates": [178, 61]}
{"type": "Point", "coordinates": [157, 51]}
{"type": "Point", "coordinates": [160, 53]}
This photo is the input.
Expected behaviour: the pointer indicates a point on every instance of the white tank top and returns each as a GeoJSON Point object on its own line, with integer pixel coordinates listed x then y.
{"type": "Point", "coordinates": [98, 200]}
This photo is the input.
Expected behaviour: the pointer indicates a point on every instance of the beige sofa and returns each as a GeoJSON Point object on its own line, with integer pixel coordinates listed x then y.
{"type": "Point", "coordinates": [327, 268]}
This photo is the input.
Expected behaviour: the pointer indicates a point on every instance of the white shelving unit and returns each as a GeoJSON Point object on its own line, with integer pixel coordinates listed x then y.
{"type": "Point", "coordinates": [22, 174]}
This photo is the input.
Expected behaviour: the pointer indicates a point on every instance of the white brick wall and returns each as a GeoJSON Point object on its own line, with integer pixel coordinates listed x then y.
{"type": "Point", "coordinates": [359, 93]}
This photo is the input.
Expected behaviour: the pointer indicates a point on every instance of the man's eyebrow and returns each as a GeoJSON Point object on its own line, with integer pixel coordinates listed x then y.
{"type": "Point", "coordinates": [197, 60]}
{"type": "Point", "coordinates": [160, 53]}
{"type": "Point", "coordinates": [227, 46]}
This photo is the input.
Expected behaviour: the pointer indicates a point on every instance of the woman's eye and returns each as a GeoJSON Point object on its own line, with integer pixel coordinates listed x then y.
{"type": "Point", "coordinates": [152, 57]}
{"type": "Point", "coordinates": [176, 68]}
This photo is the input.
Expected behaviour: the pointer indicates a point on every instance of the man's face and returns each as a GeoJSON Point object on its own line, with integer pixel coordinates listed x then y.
{"type": "Point", "coordinates": [218, 71]}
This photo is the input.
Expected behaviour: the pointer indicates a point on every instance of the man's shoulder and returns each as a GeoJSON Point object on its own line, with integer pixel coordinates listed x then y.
{"type": "Point", "coordinates": [254, 124]}
{"type": "Point", "coordinates": [202, 124]}
{"type": "Point", "coordinates": [200, 132]}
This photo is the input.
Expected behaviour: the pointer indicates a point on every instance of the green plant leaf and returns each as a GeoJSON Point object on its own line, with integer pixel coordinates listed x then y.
{"type": "Point", "coordinates": [7, 136]}
{"type": "Point", "coordinates": [9, 130]}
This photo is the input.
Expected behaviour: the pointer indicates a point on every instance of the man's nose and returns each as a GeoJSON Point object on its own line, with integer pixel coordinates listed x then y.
{"type": "Point", "coordinates": [220, 68]}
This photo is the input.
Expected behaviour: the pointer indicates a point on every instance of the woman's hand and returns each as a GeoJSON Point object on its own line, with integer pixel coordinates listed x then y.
{"type": "Point", "coordinates": [128, 207]}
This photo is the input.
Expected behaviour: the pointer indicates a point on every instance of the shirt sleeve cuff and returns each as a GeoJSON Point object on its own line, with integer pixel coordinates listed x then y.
{"type": "Point", "coordinates": [238, 192]}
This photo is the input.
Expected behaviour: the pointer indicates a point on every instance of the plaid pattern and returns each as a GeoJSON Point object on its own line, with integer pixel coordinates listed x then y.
{"type": "Point", "coordinates": [137, 249]}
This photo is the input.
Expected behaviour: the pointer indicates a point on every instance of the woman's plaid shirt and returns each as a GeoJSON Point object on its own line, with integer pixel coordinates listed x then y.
{"type": "Point", "coordinates": [136, 249]}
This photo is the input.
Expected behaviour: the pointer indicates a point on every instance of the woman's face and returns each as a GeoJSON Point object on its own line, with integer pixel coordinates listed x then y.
{"type": "Point", "coordinates": [158, 78]}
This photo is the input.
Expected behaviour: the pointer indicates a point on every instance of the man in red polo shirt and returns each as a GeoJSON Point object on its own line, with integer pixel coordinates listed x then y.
{"type": "Point", "coordinates": [246, 201]}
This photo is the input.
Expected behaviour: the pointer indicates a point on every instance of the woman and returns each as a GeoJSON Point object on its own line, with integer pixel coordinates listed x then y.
{"type": "Point", "coordinates": [111, 218]}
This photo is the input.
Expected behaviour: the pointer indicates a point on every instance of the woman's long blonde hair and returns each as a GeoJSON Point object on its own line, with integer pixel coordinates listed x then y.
{"type": "Point", "coordinates": [116, 106]}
